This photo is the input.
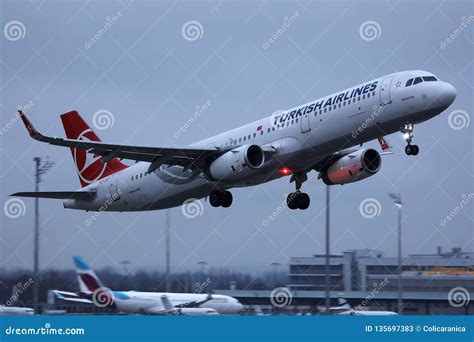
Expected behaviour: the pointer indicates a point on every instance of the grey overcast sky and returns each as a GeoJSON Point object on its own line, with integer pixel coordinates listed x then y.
{"type": "Point", "coordinates": [151, 74]}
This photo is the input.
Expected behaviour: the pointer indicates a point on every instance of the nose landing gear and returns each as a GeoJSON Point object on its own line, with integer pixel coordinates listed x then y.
{"type": "Point", "coordinates": [407, 132]}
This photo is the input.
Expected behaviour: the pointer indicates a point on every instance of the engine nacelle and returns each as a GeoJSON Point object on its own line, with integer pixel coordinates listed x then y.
{"type": "Point", "coordinates": [353, 167]}
{"type": "Point", "coordinates": [237, 163]}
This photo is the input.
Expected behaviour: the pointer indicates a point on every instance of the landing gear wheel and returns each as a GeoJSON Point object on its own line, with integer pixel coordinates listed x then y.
{"type": "Point", "coordinates": [303, 201]}
{"type": "Point", "coordinates": [292, 200]}
{"type": "Point", "coordinates": [298, 200]}
{"type": "Point", "coordinates": [415, 150]}
{"type": "Point", "coordinates": [226, 199]}
{"type": "Point", "coordinates": [215, 198]}
{"type": "Point", "coordinates": [409, 150]}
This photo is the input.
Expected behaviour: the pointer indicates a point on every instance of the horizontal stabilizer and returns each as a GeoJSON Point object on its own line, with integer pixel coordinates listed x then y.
{"type": "Point", "coordinates": [77, 195]}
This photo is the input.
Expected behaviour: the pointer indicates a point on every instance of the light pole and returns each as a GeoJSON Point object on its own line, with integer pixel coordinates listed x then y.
{"type": "Point", "coordinates": [168, 267]}
{"type": "Point", "coordinates": [125, 264]}
{"type": "Point", "coordinates": [397, 199]}
{"type": "Point", "coordinates": [328, 253]}
{"type": "Point", "coordinates": [40, 169]}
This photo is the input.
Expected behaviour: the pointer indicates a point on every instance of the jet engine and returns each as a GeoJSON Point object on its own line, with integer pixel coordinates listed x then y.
{"type": "Point", "coordinates": [237, 163]}
{"type": "Point", "coordinates": [352, 167]}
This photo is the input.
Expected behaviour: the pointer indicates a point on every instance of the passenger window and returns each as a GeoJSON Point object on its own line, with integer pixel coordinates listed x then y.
{"type": "Point", "coordinates": [249, 137]}
{"type": "Point", "coordinates": [261, 132]}
{"type": "Point", "coordinates": [296, 120]}
{"type": "Point", "coordinates": [429, 78]}
{"type": "Point", "coordinates": [254, 135]}
{"type": "Point", "coordinates": [417, 80]}
{"type": "Point", "coordinates": [268, 130]}
{"type": "Point", "coordinates": [409, 82]}
{"type": "Point", "coordinates": [240, 139]}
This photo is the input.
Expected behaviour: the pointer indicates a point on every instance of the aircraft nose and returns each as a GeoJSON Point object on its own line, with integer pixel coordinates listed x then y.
{"type": "Point", "coordinates": [448, 94]}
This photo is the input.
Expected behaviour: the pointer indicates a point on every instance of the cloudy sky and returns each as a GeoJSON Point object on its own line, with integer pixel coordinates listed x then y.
{"type": "Point", "coordinates": [156, 62]}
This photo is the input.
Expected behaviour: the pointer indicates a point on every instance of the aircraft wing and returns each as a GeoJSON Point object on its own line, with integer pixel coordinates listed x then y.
{"type": "Point", "coordinates": [78, 195]}
{"type": "Point", "coordinates": [195, 304]}
{"type": "Point", "coordinates": [156, 155]}
{"type": "Point", "coordinates": [70, 297]}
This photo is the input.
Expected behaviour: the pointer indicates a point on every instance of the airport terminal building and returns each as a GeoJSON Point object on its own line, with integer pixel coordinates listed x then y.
{"type": "Point", "coordinates": [363, 270]}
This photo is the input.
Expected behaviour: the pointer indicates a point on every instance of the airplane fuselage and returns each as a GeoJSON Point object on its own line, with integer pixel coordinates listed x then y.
{"type": "Point", "coordinates": [300, 137]}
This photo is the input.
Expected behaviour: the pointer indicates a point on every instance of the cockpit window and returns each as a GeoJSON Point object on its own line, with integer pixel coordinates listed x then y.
{"type": "Point", "coordinates": [429, 78]}
{"type": "Point", "coordinates": [409, 82]}
{"type": "Point", "coordinates": [417, 80]}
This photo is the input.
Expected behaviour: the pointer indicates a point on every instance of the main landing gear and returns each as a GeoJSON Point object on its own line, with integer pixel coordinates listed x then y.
{"type": "Point", "coordinates": [220, 198]}
{"type": "Point", "coordinates": [407, 131]}
{"type": "Point", "coordinates": [298, 199]}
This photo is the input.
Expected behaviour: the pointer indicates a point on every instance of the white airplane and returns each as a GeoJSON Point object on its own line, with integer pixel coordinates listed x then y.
{"type": "Point", "coordinates": [345, 309]}
{"type": "Point", "coordinates": [153, 303]}
{"type": "Point", "coordinates": [321, 135]}
{"type": "Point", "coordinates": [15, 311]}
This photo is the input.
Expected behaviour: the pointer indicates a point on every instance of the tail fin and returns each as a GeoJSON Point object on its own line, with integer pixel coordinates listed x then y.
{"type": "Point", "coordinates": [90, 168]}
{"type": "Point", "coordinates": [88, 280]}
{"type": "Point", "coordinates": [343, 303]}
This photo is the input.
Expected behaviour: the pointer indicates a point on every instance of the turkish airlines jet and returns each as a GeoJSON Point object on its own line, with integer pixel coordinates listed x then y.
{"type": "Point", "coordinates": [322, 135]}
{"type": "Point", "coordinates": [153, 303]}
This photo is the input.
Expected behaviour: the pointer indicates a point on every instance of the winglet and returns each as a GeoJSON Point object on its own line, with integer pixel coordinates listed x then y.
{"type": "Point", "coordinates": [81, 263]}
{"type": "Point", "coordinates": [385, 145]}
{"type": "Point", "coordinates": [29, 126]}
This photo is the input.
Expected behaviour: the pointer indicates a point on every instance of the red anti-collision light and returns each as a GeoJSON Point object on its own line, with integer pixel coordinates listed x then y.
{"type": "Point", "coordinates": [284, 171]}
